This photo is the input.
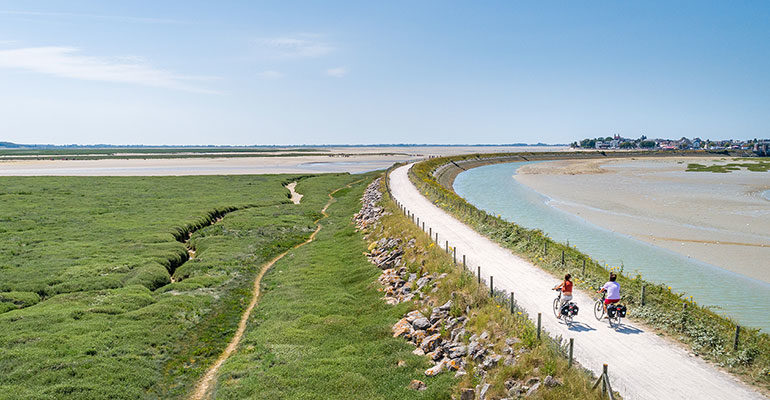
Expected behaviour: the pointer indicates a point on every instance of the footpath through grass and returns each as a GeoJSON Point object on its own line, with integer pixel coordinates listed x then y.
{"type": "Point", "coordinates": [321, 329]}
{"type": "Point", "coordinates": [87, 307]}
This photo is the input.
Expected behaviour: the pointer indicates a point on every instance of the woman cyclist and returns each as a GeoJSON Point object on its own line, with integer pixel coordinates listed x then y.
{"type": "Point", "coordinates": [566, 292]}
{"type": "Point", "coordinates": [613, 291]}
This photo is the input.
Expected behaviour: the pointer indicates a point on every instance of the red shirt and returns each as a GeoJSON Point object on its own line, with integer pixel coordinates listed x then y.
{"type": "Point", "coordinates": [567, 287]}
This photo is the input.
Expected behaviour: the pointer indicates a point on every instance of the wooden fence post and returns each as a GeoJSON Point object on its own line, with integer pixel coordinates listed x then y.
{"type": "Point", "coordinates": [539, 317]}
{"type": "Point", "coordinates": [571, 347]}
{"type": "Point", "coordinates": [584, 266]}
{"type": "Point", "coordinates": [430, 232]}
{"type": "Point", "coordinates": [643, 289]}
{"type": "Point", "coordinates": [491, 286]}
{"type": "Point", "coordinates": [479, 274]}
{"type": "Point", "coordinates": [604, 375]}
{"type": "Point", "coordinates": [447, 246]}
{"type": "Point", "coordinates": [512, 303]}
{"type": "Point", "coordinates": [463, 262]}
{"type": "Point", "coordinates": [562, 257]}
{"type": "Point", "coordinates": [454, 255]}
{"type": "Point", "coordinates": [737, 333]}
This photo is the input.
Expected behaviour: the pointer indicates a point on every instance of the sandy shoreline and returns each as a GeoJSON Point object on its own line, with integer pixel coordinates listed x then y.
{"type": "Point", "coordinates": [721, 219]}
{"type": "Point", "coordinates": [367, 158]}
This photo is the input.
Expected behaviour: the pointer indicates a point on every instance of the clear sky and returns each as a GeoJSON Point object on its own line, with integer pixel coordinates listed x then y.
{"type": "Point", "coordinates": [327, 72]}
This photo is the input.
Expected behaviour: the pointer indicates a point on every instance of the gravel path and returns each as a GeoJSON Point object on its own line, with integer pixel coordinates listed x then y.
{"type": "Point", "coordinates": [642, 365]}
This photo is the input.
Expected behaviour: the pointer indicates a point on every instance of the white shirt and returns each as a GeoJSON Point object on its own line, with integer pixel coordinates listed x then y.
{"type": "Point", "coordinates": [613, 290]}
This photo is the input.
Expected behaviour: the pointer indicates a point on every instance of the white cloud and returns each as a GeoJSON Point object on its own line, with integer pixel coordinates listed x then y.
{"type": "Point", "coordinates": [67, 62]}
{"type": "Point", "coordinates": [120, 18]}
{"type": "Point", "coordinates": [271, 74]}
{"type": "Point", "coordinates": [338, 72]}
{"type": "Point", "coordinates": [299, 46]}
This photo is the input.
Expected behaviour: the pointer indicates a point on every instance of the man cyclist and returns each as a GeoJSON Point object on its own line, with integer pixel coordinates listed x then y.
{"type": "Point", "coordinates": [566, 292]}
{"type": "Point", "coordinates": [613, 291]}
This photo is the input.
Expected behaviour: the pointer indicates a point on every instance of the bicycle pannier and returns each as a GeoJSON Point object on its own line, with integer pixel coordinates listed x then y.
{"type": "Point", "coordinates": [621, 310]}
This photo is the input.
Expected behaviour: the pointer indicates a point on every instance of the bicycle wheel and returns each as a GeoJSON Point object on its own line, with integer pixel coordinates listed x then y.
{"type": "Point", "coordinates": [598, 310]}
{"type": "Point", "coordinates": [567, 319]}
{"type": "Point", "coordinates": [556, 307]}
{"type": "Point", "coordinates": [614, 322]}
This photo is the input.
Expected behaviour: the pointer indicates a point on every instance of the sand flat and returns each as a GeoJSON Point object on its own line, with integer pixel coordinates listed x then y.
{"type": "Point", "coordinates": [721, 219]}
{"type": "Point", "coordinates": [353, 159]}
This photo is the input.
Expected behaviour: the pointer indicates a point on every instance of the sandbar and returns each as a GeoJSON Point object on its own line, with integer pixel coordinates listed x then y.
{"type": "Point", "coordinates": [720, 219]}
{"type": "Point", "coordinates": [352, 159]}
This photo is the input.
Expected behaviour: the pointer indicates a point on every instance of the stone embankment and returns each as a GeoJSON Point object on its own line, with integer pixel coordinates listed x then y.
{"type": "Point", "coordinates": [441, 336]}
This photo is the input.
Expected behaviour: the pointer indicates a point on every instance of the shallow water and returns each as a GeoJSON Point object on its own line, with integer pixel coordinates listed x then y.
{"type": "Point", "coordinates": [229, 166]}
{"type": "Point", "coordinates": [493, 189]}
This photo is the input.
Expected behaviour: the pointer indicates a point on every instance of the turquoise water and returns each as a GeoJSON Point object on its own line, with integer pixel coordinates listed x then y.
{"type": "Point", "coordinates": [493, 189]}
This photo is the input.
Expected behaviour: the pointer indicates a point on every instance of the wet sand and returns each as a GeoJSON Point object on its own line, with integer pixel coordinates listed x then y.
{"type": "Point", "coordinates": [721, 219]}
{"type": "Point", "coordinates": [339, 159]}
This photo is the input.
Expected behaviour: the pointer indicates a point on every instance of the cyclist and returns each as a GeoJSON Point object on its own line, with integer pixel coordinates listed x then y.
{"type": "Point", "coordinates": [613, 291]}
{"type": "Point", "coordinates": [566, 292]}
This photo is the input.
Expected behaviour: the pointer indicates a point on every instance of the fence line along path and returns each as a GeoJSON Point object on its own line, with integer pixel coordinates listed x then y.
{"type": "Point", "coordinates": [642, 365]}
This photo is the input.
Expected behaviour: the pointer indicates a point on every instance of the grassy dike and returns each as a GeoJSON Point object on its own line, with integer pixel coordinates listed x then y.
{"type": "Point", "coordinates": [707, 333]}
{"type": "Point", "coordinates": [88, 309]}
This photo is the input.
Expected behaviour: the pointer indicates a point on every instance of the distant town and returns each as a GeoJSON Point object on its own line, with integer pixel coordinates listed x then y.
{"type": "Point", "coordinates": [759, 146]}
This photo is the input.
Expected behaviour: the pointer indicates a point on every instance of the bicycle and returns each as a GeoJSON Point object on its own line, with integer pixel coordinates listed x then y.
{"type": "Point", "coordinates": [571, 309]}
{"type": "Point", "coordinates": [613, 312]}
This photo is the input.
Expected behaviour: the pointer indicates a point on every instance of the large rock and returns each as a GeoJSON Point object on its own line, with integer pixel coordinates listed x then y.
{"type": "Point", "coordinates": [468, 394]}
{"type": "Point", "coordinates": [402, 328]}
{"type": "Point", "coordinates": [421, 323]}
{"type": "Point", "coordinates": [458, 351]}
{"type": "Point", "coordinates": [430, 343]}
{"type": "Point", "coordinates": [417, 337]}
{"type": "Point", "coordinates": [436, 369]}
{"type": "Point", "coordinates": [455, 364]}
{"type": "Point", "coordinates": [417, 385]}
{"type": "Point", "coordinates": [457, 334]}
{"type": "Point", "coordinates": [483, 389]}
{"type": "Point", "coordinates": [413, 315]}
{"type": "Point", "coordinates": [473, 347]}
{"type": "Point", "coordinates": [533, 389]}
{"type": "Point", "coordinates": [491, 361]}
{"type": "Point", "coordinates": [422, 282]}
{"type": "Point", "coordinates": [551, 381]}
{"type": "Point", "coordinates": [436, 355]}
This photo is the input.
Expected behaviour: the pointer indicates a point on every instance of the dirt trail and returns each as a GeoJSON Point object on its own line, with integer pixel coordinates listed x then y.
{"type": "Point", "coordinates": [642, 365]}
{"type": "Point", "coordinates": [295, 197]}
{"type": "Point", "coordinates": [203, 388]}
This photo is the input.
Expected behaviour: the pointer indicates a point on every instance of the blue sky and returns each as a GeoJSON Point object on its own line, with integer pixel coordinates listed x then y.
{"type": "Point", "coordinates": [326, 72]}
